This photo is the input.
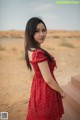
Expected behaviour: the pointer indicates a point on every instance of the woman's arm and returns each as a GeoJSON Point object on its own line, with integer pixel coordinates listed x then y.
{"type": "Point", "coordinates": [45, 71]}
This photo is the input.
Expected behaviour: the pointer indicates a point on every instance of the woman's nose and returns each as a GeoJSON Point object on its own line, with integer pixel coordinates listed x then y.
{"type": "Point", "coordinates": [41, 33]}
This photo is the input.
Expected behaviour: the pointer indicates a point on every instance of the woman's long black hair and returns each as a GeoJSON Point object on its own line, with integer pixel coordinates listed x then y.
{"type": "Point", "coordinates": [30, 41]}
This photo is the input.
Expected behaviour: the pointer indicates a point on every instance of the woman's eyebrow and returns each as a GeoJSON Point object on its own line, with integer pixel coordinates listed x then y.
{"type": "Point", "coordinates": [39, 28]}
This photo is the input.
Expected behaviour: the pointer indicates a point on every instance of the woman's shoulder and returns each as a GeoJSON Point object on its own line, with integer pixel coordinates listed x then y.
{"type": "Point", "coordinates": [37, 51]}
{"type": "Point", "coordinates": [38, 56]}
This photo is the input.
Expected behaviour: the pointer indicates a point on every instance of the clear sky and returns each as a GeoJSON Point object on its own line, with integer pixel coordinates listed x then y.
{"type": "Point", "coordinates": [14, 14]}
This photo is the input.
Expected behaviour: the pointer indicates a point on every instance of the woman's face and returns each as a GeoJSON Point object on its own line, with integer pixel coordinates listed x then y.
{"type": "Point", "coordinates": [40, 33]}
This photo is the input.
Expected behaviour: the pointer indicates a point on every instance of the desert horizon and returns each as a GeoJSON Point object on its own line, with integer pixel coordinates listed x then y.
{"type": "Point", "coordinates": [54, 33]}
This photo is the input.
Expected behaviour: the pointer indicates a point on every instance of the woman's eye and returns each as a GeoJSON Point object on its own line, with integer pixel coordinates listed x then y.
{"type": "Point", "coordinates": [37, 31]}
{"type": "Point", "coordinates": [44, 30]}
{"type": "Point", "coordinates": [40, 30]}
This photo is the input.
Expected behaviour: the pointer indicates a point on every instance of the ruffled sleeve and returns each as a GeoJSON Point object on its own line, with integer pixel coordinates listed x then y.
{"type": "Point", "coordinates": [39, 56]}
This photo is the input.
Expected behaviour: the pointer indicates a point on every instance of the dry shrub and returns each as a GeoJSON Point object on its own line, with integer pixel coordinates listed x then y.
{"type": "Point", "coordinates": [2, 48]}
{"type": "Point", "coordinates": [67, 44]}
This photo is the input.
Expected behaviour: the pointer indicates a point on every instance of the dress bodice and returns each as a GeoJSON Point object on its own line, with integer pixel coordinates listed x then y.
{"type": "Point", "coordinates": [39, 56]}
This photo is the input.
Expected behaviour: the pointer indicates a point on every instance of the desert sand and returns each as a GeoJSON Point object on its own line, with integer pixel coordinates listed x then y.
{"type": "Point", "coordinates": [15, 79]}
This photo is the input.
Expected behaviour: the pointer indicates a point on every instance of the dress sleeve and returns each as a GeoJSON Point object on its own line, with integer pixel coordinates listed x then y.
{"type": "Point", "coordinates": [39, 56]}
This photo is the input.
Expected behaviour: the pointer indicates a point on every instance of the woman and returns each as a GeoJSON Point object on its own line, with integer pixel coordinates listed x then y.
{"type": "Point", "coordinates": [46, 95]}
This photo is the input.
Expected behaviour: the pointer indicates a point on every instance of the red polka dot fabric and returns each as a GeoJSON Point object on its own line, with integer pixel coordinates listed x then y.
{"type": "Point", "coordinates": [45, 103]}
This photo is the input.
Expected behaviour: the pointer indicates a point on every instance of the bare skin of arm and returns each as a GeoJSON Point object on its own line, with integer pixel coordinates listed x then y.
{"type": "Point", "coordinates": [45, 71]}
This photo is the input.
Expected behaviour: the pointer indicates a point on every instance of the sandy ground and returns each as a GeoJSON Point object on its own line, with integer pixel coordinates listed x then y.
{"type": "Point", "coordinates": [15, 79]}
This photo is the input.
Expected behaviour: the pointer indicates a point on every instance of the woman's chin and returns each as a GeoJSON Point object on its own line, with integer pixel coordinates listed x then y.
{"type": "Point", "coordinates": [42, 41]}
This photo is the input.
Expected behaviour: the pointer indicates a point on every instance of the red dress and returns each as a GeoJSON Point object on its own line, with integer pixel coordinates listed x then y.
{"type": "Point", "coordinates": [45, 103]}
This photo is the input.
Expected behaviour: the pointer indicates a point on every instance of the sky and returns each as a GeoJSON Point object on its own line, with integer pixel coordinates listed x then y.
{"type": "Point", "coordinates": [14, 14]}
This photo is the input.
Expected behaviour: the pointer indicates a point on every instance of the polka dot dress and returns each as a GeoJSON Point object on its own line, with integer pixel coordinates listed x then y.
{"type": "Point", "coordinates": [45, 103]}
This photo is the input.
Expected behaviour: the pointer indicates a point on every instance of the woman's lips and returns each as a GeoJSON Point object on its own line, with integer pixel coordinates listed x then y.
{"type": "Point", "coordinates": [42, 38]}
